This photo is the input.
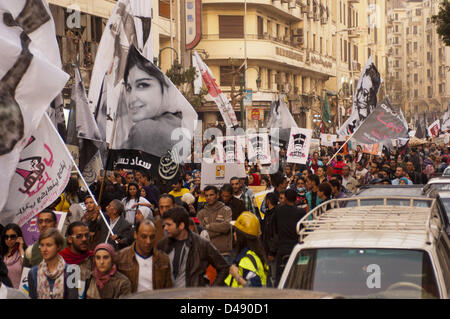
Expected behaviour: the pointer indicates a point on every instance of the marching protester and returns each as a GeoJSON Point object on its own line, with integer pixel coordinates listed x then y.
{"type": "Point", "coordinates": [190, 255]}
{"type": "Point", "coordinates": [249, 268]}
{"type": "Point", "coordinates": [106, 282]}
{"type": "Point", "coordinates": [123, 231]}
{"type": "Point", "coordinates": [12, 251]}
{"type": "Point", "coordinates": [146, 267]}
{"type": "Point", "coordinates": [240, 193]}
{"type": "Point", "coordinates": [134, 202]}
{"type": "Point", "coordinates": [236, 205]}
{"type": "Point", "coordinates": [77, 252]}
{"type": "Point", "coordinates": [45, 220]}
{"type": "Point", "coordinates": [215, 219]}
{"type": "Point", "coordinates": [48, 280]}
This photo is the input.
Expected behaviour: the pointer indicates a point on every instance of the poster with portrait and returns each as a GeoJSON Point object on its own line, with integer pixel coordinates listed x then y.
{"type": "Point", "coordinates": [230, 149]}
{"type": "Point", "coordinates": [372, 149]}
{"type": "Point", "coordinates": [365, 98]}
{"type": "Point", "coordinates": [155, 122]}
{"type": "Point", "coordinates": [258, 148]}
{"type": "Point", "coordinates": [299, 145]}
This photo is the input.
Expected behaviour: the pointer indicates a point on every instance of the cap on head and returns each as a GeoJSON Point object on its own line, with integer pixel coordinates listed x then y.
{"type": "Point", "coordinates": [247, 223]}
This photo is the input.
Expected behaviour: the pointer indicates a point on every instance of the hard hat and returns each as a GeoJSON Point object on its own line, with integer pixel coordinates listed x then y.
{"type": "Point", "coordinates": [247, 223]}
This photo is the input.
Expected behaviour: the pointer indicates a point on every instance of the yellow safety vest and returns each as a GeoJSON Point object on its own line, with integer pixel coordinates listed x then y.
{"type": "Point", "coordinates": [246, 263]}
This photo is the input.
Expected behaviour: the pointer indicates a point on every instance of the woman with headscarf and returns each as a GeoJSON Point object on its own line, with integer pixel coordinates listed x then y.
{"type": "Point", "coordinates": [254, 179]}
{"type": "Point", "coordinates": [106, 282]}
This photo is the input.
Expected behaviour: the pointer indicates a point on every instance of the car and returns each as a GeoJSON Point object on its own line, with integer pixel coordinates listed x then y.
{"type": "Point", "coordinates": [230, 294]}
{"type": "Point", "coordinates": [387, 190]}
{"type": "Point", "coordinates": [446, 172]}
{"type": "Point", "coordinates": [441, 183]}
{"type": "Point", "coordinates": [443, 202]}
{"type": "Point", "coordinates": [372, 251]}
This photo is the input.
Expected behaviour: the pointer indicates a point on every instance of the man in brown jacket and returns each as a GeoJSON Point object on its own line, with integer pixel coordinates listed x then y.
{"type": "Point", "coordinates": [147, 267]}
{"type": "Point", "coordinates": [190, 254]}
{"type": "Point", "coordinates": [216, 218]}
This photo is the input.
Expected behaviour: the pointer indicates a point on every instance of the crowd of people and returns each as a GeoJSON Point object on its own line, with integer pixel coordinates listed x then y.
{"type": "Point", "coordinates": [145, 234]}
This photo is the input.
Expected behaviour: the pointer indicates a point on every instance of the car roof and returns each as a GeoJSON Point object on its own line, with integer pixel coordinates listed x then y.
{"type": "Point", "coordinates": [444, 194]}
{"type": "Point", "coordinates": [439, 180]}
{"type": "Point", "coordinates": [384, 190]}
{"type": "Point", "coordinates": [383, 225]}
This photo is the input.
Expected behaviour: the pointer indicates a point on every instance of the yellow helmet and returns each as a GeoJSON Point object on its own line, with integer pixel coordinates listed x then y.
{"type": "Point", "coordinates": [247, 223]}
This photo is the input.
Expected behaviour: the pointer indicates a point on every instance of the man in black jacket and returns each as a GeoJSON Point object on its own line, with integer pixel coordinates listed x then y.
{"type": "Point", "coordinates": [226, 196]}
{"type": "Point", "coordinates": [190, 255]}
{"type": "Point", "coordinates": [123, 231]}
{"type": "Point", "coordinates": [285, 220]}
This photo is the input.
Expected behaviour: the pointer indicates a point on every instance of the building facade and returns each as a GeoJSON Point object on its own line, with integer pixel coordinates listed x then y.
{"type": "Point", "coordinates": [418, 60]}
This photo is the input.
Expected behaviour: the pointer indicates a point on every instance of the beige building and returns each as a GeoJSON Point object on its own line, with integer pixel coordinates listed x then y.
{"type": "Point", "coordinates": [83, 39]}
{"type": "Point", "coordinates": [289, 49]}
{"type": "Point", "coordinates": [421, 82]}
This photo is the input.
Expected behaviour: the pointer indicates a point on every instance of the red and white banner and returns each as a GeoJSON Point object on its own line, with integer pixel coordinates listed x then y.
{"type": "Point", "coordinates": [224, 105]}
{"type": "Point", "coordinates": [41, 176]}
{"type": "Point", "coordinates": [434, 128]}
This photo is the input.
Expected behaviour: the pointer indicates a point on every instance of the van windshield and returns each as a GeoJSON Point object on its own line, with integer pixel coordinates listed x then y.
{"type": "Point", "coordinates": [364, 273]}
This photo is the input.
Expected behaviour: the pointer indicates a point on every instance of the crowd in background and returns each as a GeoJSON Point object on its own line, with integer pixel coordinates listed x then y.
{"type": "Point", "coordinates": [180, 235]}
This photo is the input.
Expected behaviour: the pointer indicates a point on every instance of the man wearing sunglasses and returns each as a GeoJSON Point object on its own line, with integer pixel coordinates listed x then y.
{"type": "Point", "coordinates": [46, 219]}
{"type": "Point", "coordinates": [78, 253]}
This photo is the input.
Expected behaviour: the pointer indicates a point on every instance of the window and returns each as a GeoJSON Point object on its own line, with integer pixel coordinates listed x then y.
{"type": "Point", "coordinates": [342, 271]}
{"type": "Point", "coordinates": [231, 27]}
{"type": "Point", "coordinates": [164, 8]}
{"type": "Point", "coordinates": [260, 27]}
{"type": "Point", "coordinates": [345, 50]}
{"type": "Point", "coordinates": [416, 78]}
{"type": "Point", "coordinates": [415, 46]}
{"type": "Point", "coordinates": [226, 77]}
{"type": "Point", "coordinates": [416, 93]}
{"type": "Point", "coordinates": [418, 12]}
{"type": "Point", "coordinates": [415, 30]}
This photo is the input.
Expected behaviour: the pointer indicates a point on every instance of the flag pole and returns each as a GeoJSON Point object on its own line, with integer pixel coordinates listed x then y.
{"type": "Point", "coordinates": [79, 173]}
{"type": "Point", "coordinates": [335, 154]}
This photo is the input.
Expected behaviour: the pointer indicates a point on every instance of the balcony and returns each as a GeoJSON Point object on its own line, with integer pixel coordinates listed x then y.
{"type": "Point", "coordinates": [353, 33]}
{"type": "Point", "coordinates": [289, 10]}
{"type": "Point", "coordinates": [285, 51]}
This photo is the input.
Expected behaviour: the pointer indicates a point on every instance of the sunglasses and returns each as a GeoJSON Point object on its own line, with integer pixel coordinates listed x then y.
{"type": "Point", "coordinates": [79, 236]}
{"type": "Point", "coordinates": [12, 237]}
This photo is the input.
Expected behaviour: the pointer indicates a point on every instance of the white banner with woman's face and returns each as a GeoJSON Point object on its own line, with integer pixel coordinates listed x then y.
{"type": "Point", "coordinates": [153, 117]}
{"type": "Point", "coordinates": [258, 148]}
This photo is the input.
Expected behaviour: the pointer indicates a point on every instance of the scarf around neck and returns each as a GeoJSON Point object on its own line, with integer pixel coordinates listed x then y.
{"type": "Point", "coordinates": [43, 276]}
{"type": "Point", "coordinates": [71, 258]}
{"type": "Point", "coordinates": [102, 279]}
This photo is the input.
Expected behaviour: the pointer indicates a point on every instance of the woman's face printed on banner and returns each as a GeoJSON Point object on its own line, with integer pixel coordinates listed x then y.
{"type": "Point", "coordinates": [144, 95]}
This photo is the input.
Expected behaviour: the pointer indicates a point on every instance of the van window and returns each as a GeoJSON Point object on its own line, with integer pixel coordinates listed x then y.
{"type": "Point", "coordinates": [364, 273]}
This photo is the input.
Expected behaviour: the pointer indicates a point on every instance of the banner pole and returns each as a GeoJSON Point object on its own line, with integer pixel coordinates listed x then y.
{"type": "Point", "coordinates": [335, 154]}
{"type": "Point", "coordinates": [79, 173]}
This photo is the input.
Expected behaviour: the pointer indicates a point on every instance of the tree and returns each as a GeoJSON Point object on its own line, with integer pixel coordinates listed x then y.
{"type": "Point", "coordinates": [442, 20]}
{"type": "Point", "coordinates": [184, 81]}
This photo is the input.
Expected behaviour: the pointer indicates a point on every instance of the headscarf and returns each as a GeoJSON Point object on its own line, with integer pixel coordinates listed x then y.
{"type": "Point", "coordinates": [102, 279]}
{"type": "Point", "coordinates": [256, 180]}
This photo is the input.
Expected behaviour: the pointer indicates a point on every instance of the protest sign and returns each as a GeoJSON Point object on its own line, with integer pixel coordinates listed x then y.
{"type": "Point", "coordinates": [230, 149]}
{"type": "Point", "coordinates": [40, 177]}
{"type": "Point", "coordinates": [299, 144]}
{"type": "Point", "coordinates": [31, 232]}
{"type": "Point", "coordinates": [372, 149]}
{"type": "Point", "coordinates": [382, 125]}
{"type": "Point", "coordinates": [258, 148]}
{"type": "Point", "coordinates": [315, 146]}
{"type": "Point", "coordinates": [328, 139]}
{"type": "Point", "coordinates": [218, 174]}
{"type": "Point", "coordinates": [434, 128]}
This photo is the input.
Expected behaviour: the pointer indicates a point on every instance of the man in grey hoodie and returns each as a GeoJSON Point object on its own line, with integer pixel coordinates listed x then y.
{"type": "Point", "coordinates": [215, 219]}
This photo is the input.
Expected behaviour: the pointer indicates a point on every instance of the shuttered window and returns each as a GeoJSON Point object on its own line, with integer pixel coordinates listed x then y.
{"type": "Point", "coordinates": [226, 76]}
{"type": "Point", "coordinates": [231, 27]}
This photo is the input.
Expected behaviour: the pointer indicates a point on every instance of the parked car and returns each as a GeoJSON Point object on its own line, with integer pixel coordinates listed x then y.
{"type": "Point", "coordinates": [372, 251]}
{"type": "Point", "coordinates": [441, 183]}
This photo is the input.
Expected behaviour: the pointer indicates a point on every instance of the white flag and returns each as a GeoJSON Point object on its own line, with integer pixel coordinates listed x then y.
{"type": "Point", "coordinates": [130, 23]}
{"type": "Point", "coordinates": [40, 177]}
{"type": "Point", "coordinates": [446, 119]}
{"type": "Point", "coordinates": [433, 129]}
{"type": "Point", "coordinates": [29, 80]}
{"type": "Point", "coordinates": [364, 99]}
{"type": "Point", "coordinates": [299, 145]}
{"type": "Point", "coordinates": [224, 105]}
